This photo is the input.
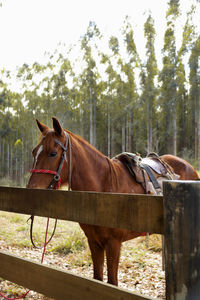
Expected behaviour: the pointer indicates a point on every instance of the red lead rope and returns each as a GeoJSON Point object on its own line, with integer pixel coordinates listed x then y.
{"type": "Point", "coordinates": [42, 171]}
{"type": "Point", "coordinates": [58, 179]}
{"type": "Point", "coordinates": [42, 259]}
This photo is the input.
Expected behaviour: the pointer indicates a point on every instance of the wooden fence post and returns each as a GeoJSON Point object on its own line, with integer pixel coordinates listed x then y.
{"type": "Point", "coordinates": [182, 239]}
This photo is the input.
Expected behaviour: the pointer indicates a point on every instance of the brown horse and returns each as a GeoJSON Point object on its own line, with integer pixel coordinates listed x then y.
{"type": "Point", "coordinates": [77, 163]}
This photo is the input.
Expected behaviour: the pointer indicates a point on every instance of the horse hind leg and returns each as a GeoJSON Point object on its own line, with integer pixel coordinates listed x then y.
{"type": "Point", "coordinates": [97, 253]}
{"type": "Point", "coordinates": [113, 248]}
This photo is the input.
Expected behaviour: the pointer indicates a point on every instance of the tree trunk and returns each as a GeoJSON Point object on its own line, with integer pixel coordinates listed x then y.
{"type": "Point", "coordinates": [127, 132]}
{"type": "Point", "coordinates": [174, 131]}
{"type": "Point", "coordinates": [81, 122]}
{"type": "Point", "coordinates": [130, 132]}
{"type": "Point", "coordinates": [11, 163]}
{"type": "Point", "coordinates": [16, 171]}
{"type": "Point", "coordinates": [3, 158]}
{"type": "Point", "coordinates": [148, 129]}
{"type": "Point", "coordinates": [8, 160]}
{"type": "Point", "coordinates": [123, 134]}
{"type": "Point", "coordinates": [94, 124]}
{"type": "Point", "coordinates": [109, 136]}
{"type": "Point", "coordinates": [91, 119]}
{"type": "Point", "coordinates": [196, 129]}
{"type": "Point", "coordinates": [199, 134]}
{"type": "Point", "coordinates": [22, 168]}
{"type": "Point", "coordinates": [0, 160]}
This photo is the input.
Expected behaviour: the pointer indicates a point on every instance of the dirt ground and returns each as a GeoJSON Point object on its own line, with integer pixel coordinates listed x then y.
{"type": "Point", "coordinates": [144, 276]}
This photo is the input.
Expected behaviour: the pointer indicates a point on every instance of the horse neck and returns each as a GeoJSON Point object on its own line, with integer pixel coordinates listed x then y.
{"type": "Point", "coordinates": [91, 170]}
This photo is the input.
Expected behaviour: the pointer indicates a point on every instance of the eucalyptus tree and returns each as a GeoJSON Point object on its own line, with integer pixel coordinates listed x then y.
{"type": "Point", "coordinates": [129, 67]}
{"type": "Point", "coordinates": [110, 93]}
{"type": "Point", "coordinates": [88, 81]}
{"type": "Point", "coordinates": [194, 96]}
{"type": "Point", "coordinates": [6, 128]}
{"type": "Point", "coordinates": [184, 120]}
{"type": "Point", "coordinates": [42, 73]}
{"type": "Point", "coordinates": [148, 85]}
{"type": "Point", "coordinates": [62, 103]}
{"type": "Point", "coordinates": [168, 91]}
{"type": "Point", "coordinates": [115, 97]}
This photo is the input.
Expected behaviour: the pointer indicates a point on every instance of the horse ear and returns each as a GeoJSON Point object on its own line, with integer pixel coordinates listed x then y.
{"type": "Point", "coordinates": [41, 126]}
{"type": "Point", "coordinates": [57, 127]}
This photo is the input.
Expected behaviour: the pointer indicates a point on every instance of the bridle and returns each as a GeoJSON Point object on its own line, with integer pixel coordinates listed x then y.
{"type": "Point", "coordinates": [56, 181]}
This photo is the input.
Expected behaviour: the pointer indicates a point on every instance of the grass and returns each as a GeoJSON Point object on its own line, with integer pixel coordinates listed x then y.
{"type": "Point", "coordinates": [15, 228]}
{"type": "Point", "coordinates": [73, 243]}
{"type": "Point", "coordinates": [69, 239]}
{"type": "Point", "coordinates": [69, 249]}
{"type": "Point", "coordinates": [134, 251]}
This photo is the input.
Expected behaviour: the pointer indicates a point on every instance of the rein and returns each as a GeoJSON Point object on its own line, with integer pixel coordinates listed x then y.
{"type": "Point", "coordinates": [56, 181]}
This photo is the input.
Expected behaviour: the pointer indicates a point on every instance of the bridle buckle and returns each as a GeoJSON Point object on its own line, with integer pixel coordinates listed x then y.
{"type": "Point", "coordinates": [56, 177]}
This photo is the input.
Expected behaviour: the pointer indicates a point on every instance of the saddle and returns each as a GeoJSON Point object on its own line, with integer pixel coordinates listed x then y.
{"type": "Point", "coordinates": [149, 171]}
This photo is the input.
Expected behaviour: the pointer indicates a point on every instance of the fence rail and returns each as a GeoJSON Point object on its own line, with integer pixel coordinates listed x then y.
{"type": "Point", "coordinates": [59, 284]}
{"type": "Point", "coordinates": [127, 211]}
{"type": "Point", "coordinates": [176, 214]}
{"type": "Point", "coordinates": [134, 212]}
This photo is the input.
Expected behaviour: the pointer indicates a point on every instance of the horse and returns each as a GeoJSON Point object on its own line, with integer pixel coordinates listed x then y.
{"type": "Point", "coordinates": [76, 163]}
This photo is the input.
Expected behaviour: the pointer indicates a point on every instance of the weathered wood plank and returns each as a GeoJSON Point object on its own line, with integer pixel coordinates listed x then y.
{"type": "Point", "coordinates": [58, 284]}
{"type": "Point", "coordinates": [182, 239]}
{"type": "Point", "coordinates": [134, 212]}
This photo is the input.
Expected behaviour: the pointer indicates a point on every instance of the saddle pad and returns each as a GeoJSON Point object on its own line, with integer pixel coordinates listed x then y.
{"type": "Point", "coordinates": [155, 165]}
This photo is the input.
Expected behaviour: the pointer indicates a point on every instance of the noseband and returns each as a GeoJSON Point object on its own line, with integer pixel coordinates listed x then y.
{"type": "Point", "coordinates": [56, 181]}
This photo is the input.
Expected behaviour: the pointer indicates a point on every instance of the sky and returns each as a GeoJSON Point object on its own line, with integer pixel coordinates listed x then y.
{"type": "Point", "coordinates": [29, 28]}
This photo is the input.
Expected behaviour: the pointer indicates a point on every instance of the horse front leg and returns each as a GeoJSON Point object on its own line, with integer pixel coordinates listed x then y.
{"type": "Point", "coordinates": [113, 248]}
{"type": "Point", "coordinates": [97, 253]}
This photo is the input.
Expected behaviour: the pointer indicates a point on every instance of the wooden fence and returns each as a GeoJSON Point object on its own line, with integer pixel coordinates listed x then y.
{"type": "Point", "coordinates": [176, 215]}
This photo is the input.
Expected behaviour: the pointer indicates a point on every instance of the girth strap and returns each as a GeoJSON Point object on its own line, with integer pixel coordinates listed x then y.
{"type": "Point", "coordinates": [151, 176]}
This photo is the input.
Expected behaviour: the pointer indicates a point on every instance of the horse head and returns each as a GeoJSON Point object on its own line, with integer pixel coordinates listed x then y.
{"type": "Point", "coordinates": [50, 157]}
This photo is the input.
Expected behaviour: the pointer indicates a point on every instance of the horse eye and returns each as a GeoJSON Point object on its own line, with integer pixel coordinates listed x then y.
{"type": "Point", "coordinates": [53, 154]}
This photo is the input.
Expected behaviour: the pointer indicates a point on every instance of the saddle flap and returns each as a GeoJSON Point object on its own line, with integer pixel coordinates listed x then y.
{"type": "Point", "coordinates": [132, 161]}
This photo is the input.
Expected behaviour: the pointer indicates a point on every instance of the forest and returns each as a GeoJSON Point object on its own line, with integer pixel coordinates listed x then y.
{"type": "Point", "coordinates": [109, 95]}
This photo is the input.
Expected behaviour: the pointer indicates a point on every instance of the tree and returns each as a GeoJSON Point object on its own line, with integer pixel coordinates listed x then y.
{"type": "Point", "coordinates": [194, 96]}
{"type": "Point", "coordinates": [88, 82]}
{"type": "Point", "coordinates": [168, 96]}
{"type": "Point", "coordinates": [184, 126]}
{"type": "Point", "coordinates": [130, 94]}
{"type": "Point", "coordinates": [109, 108]}
{"type": "Point", "coordinates": [149, 90]}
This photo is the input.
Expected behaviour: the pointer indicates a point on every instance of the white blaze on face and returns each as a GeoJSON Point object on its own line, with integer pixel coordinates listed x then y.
{"type": "Point", "coordinates": [37, 154]}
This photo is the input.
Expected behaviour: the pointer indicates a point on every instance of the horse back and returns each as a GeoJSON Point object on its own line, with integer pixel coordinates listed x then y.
{"type": "Point", "coordinates": [181, 167]}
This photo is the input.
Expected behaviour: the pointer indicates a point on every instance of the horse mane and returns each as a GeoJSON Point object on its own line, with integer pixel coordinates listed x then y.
{"type": "Point", "coordinates": [86, 143]}
{"type": "Point", "coordinates": [113, 172]}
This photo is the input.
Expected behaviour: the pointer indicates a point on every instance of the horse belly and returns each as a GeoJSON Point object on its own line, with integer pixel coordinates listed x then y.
{"type": "Point", "coordinates": [101, 235]}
